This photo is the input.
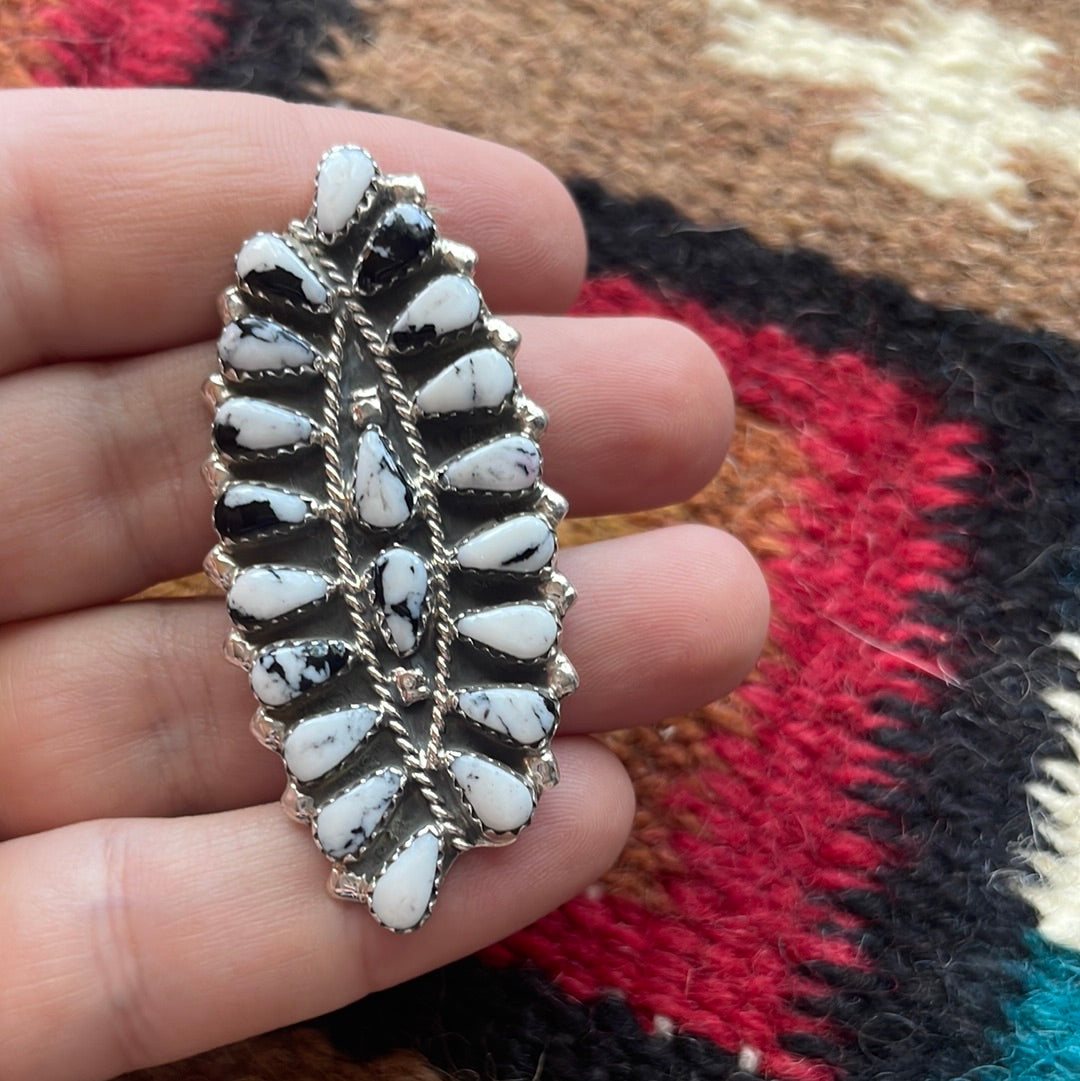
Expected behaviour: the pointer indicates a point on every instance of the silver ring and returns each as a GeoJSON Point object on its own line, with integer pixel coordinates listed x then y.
{"type": "Point", "coordinates": [387, 544]}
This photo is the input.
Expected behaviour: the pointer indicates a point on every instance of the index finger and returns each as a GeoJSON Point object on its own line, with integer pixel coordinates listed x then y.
{"type": "Point", "coordinates": [122, 210]}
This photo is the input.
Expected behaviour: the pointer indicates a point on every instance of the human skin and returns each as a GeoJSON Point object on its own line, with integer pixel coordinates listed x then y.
{"type": "Point", "coordinates": [155, 901]}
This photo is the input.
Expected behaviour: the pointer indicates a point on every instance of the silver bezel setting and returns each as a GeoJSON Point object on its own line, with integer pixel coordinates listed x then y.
{"type": "Point", "coordinates": [363, 377]}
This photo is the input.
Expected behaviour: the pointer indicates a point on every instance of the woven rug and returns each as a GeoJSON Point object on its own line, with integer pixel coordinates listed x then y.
{"type": "Point", "coordinates": [866, 863]}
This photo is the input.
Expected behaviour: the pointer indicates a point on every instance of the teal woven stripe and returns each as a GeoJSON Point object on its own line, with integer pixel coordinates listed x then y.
{"type": "Point", "coordinates": [1045, 1041]}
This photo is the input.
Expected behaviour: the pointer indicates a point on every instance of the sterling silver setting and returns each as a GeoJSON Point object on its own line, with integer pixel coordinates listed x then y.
{"type": "Point", "coordinates": [387, 544]}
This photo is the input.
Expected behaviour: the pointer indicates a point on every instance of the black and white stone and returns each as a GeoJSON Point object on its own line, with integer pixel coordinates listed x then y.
{"type": "Point", "coordinates": [523, 544]}
{"type": "Point", "coordinates": [286, 671]}
{"type": "Point", "coordinates": [402, 895]}
{"type": "Point", "coordinates": [345, 174]}
{"type": "Point", "coordinates": [522, 714]}
{"type": "Point", "coordinates": [264, 592]}
{"type": "Point", "coordinates": [482, 379]}
{"type": "Point", "coordinates": [318, 744]}
{"type": "Point", "coordinates": [402, 237]}
{"type": "Point", "coordinates": [400, 585]}
{"type": "Point", "coordinates": [521, 631]}
{"type": "Point", "coordinates": [498, 797]}
{"type": "Point", "coordinates": [510, 463]}
{"type": "Point", "coordinates": [344, 826]}
{"type": "Point", "coordinates": [246, 425]}
{"type": "Point", "coordinates": [446, 304]}
{"type": "Point", "coordinates": [267, 265]}
{"type": "Point", "coordinates": [246, 510]}
{"type": "Point", "coordinates": [387, 545]}
{"type": "Point", "coordinates": [252, 346]}
{"type": "Point", "coordinates": [382, 496]}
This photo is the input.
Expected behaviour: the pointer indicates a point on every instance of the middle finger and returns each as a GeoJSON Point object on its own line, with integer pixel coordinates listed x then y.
{"type": "Point", "coordinates": [103, 495]}
{"type": "Point", "coordinates": [145, 718]}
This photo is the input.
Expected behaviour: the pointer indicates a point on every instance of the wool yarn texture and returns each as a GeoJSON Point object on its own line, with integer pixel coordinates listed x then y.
{"type": "Point", "coordinates": [863, 864]}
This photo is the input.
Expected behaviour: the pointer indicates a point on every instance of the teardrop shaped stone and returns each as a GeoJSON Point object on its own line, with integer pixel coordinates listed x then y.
{"type": "Point", "coordinates": [285, 672]}
{"type": "Point", "coordinates": [499, 798]}
{"type": "Point", "coordinates": [521, 545]}
{"type": "Point", "coordinates": [344, 177]}
{"type": "Point", "coordinates": [382, 495]}
{"type": "Point", "coordinates": [522, 714]}
{"type": "Point", "coordinates": [525, 632]}
{"type": "Point", "coordinates": [344, 826]}
{"type": "Point", "coordinates": [400, 586]}
{"type": "Point", "coordinates": [482, 379]}
{"type": "Point", "coordinates": [401, 897]}
{"type": "Point", "coordinates": [261, 345]}
{"type": "Point", "coordinates": [318, 744]}
{"type": "Point", "coordinates": [245, 510]}
{"type": "Point", "coordinates": [246, 425]}
{"type": "Point", "coordinates": [400, 240]}
{"type": "Point", "coordinates": [444, 305]}
{"type": "Point", "coordinates": [508, 464]}
{"type": "Point", "coordinates": [267, 265]}
{"type": "Point", "coordinates": [265, 592]}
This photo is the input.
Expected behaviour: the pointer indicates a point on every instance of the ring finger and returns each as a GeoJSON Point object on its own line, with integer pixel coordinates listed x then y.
{"type": "Point", "coordinates": [132, 942]}
{"type": "Point", "coordinates": [103, 495]}
{"type": "Point", "coordinates": [665, 621]}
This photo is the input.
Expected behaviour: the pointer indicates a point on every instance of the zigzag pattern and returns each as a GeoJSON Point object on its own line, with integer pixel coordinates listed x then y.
{"type": "Point", "coordinates": [832, 875]}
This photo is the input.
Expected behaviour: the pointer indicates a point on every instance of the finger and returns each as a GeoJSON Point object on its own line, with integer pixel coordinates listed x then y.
{"type": "Point", "coordinates": [103, 492]}
{"type": "Point", "coordinates": [123, 210]}
{"type": "Point", "coordinates": [665, 622]}
{"type": "Point", "coordinates": [116, 962]}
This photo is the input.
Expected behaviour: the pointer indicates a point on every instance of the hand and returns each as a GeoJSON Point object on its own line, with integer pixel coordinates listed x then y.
{"type": "Point", "coordinates": [155, 900]}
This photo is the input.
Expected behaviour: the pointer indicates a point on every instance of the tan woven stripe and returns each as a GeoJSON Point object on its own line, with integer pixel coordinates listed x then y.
{"type": "Point", "coordinates": [864, 17]}
{"type": "Point", "coordinates": [624, 92]}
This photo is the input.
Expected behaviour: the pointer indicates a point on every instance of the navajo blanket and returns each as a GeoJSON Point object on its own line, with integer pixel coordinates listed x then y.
{"type": "Point", "coordinates": [866, 863]}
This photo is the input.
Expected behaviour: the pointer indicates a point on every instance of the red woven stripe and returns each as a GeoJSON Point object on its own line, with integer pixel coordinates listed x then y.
{"type": "Point", "coordinates": [129, 43]}
{"type": "Point", "coordinates": [779, 832]}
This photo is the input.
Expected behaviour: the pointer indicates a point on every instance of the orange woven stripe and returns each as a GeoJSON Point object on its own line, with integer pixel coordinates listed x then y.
{"type": "Point", "coordinates": [22, 42]}
{"type": "Point", "coordinates": [749, 498]}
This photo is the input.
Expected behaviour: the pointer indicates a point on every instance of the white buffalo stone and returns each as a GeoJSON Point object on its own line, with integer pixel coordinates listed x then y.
{"type": "Point", "coordinates": [260, 345]}
{"type": "Point", "coordinates": [521, 544]}
{"type": "Point", "coordinates": [508, 464]}
{"type": "Point", "coordinates": [285, 672]}
{"type": "Point", "coordinates": [265, 592]}
{"type": "Point", "coordinates": [318, 744]}
{"type": "Point", "coordinates": [526, 632]}
{"type": "Point", "coordinates": [345, 175]}
{"type": "Point", "coordinates": [244, 509]}
{"type": "Point", "coordinates": [501, 800]}
{"type": "Point", "coordinates": [483, 379]}
{"type": "Point", "coordinates": [521, 713]}
{"type": "Point", "coordinates": [266, 256]}
{"type": "Point", "coordinates": [444, 305]}
{"type": "Point", "coordinates": [252, 424]}
{"type": "Point", "coordinates": [401, 897]}
{"type": "Point", "coordinates": [401, 582]}
{"type": "Point", "coordinates": [382, 496]}
{"type": "Point", "coordinates": [344, 826]}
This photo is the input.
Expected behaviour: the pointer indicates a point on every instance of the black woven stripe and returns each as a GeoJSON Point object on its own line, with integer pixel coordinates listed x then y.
{"type": "Point", "coordinates": [944, 934]}
{"type": "Point", "coordinates": [274, 44]}
{"type": "Point", "coordinates": [476, 1022]}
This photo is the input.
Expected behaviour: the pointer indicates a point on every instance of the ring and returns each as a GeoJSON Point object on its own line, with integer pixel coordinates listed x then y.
{"type": "Point", "coordinates": [387, 544]}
